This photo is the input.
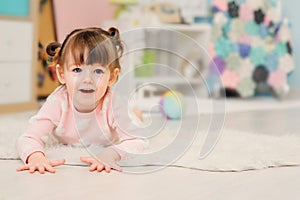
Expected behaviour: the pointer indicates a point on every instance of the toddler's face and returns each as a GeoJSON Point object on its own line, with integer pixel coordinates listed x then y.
{"type": "Point", "coordinates": [86, 85]}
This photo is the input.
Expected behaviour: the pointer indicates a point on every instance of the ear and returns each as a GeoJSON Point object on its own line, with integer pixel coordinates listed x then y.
{"type": "Point", "coordinates": [60, 74]}
{"type": "Point", "coordinates": [114, 76]}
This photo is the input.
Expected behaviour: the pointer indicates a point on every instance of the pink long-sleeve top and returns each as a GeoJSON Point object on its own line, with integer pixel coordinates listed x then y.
{"type": "Point", "coordinates": [105, 126]}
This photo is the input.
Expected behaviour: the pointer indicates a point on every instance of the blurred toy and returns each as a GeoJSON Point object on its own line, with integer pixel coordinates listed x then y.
{"type": "Point", "coordinates": [167, 13]}
{"type": "Point", "coordinates": [172, 104]}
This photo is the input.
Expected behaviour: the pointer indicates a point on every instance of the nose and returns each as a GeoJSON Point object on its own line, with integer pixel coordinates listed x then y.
{"type": "Point", "coordinates": [88, 77]}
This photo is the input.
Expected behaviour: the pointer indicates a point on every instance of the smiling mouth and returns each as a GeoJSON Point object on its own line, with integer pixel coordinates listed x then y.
{"type": "Point", "coordinates": [87, 91]}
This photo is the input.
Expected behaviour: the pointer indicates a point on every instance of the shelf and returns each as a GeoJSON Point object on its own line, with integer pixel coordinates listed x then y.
{"type": "Point", "coordinates": [167, 80]}
{"type": "Point", "coordinates": [15, 18]}
{"type": "Point", "coordinates": [189, 28]}
{"type": "Point", "coordinates": [183, 42]}
{"type": "Point", "coordinates": [18, 54]}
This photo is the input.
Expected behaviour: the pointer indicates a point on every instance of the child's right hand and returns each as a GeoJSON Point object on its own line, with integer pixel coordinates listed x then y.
{"type": "Point", "coordinates": [39, 162]}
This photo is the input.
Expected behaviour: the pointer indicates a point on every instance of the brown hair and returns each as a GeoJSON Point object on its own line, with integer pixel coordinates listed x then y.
{"type": "Point", "coordinates": [88, 46]}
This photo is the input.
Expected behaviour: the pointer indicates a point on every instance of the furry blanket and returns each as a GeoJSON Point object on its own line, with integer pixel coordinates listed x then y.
{"type": "Point", "coordinates": [234, 151]}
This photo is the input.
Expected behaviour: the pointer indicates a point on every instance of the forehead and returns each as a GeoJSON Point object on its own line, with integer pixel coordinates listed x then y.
{"type": "Point", "coordinates": [90, 52]}
{"type": "Point", "coordinates": [70, 63]}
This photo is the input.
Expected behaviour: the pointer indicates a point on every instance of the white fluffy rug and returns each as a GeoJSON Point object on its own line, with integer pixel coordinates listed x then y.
{"type": "Point", "coordinates": [235, 151]}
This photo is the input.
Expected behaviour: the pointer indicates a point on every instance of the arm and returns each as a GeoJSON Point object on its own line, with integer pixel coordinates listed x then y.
{"type": "Point", "coordinates": [127, 130]}
{"type": "Point", "coordinates": [33, 140]}
{"type": "Point", "coordinates": [30, 145]}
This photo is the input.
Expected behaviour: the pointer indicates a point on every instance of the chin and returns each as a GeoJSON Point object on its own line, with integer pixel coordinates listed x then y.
{"type": "Point", "coordinates": [85, 108]}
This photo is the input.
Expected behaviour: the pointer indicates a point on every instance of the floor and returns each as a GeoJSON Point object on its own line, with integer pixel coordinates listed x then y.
{"type": "Point", "coordinates": [274, 122]}
{"type": "Point", "coordinates": [169, 183]}
{"type": "Point", "coordinates": [73, 182]}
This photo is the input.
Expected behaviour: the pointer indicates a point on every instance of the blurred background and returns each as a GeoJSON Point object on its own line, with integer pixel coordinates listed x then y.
{"type": "Point", "coordinates": [206, 48]}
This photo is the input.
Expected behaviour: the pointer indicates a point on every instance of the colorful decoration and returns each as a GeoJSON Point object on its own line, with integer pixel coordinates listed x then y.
{"type": "Point", "coordinates": [251, 50]}
{"type": "Point", "coordinates": [172, 104]}
{"type": "Point", "coordinates": [47, 70]}
{"type": "Point", "coordinates": [47, 80]}
{"type": "Point", "coordinates": [233, 9]}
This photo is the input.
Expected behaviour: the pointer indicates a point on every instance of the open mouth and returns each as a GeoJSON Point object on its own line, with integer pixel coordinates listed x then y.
{"type": "Point", "coordinates": [87, 91]}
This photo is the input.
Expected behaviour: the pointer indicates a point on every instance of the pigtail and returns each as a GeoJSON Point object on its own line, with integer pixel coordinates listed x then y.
{"type": "Point", "coordinates": [115, 37]}
{"type": "Point", "coordinates": [53, 50]}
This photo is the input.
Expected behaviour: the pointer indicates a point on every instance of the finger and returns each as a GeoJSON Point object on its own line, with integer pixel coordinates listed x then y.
{"type": "Point", "coordinates": [93, 167]}
{"type": "Point", "coordinates": [117, 168]}
{"type": "Point", "coordinates": [87, 160]}
{"type": "Point", "coordinates": [107, 168]}
{"type": "Point", "coordinates": [55, 163]}
{"type": "Point", "coordinates": [50, 169]}
{"type": "Point", "coordinates": [32, 169]}
{"type": "Point", "coordinates": [100, 167]}
{"type": "Point", "coordinates": [41, 169]}
{"type": "Point", "coordinates": [22, 168]}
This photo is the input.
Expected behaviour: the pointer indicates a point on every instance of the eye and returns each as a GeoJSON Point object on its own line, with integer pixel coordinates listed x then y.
{"type": "Point", "coordinates": [77, 70]}
{"type": "Point", "coordinates": [99, 71]}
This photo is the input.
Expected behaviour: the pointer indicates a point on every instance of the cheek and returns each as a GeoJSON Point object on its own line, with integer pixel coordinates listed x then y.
{"type": "Point", "coordinates": [103, 80]}
{"type": "Point", "coordinates": [102, 85]}
{"type": "Point", "coordinates": [71, 82]}
{"type": "Point", "coordinates": [73, 78]}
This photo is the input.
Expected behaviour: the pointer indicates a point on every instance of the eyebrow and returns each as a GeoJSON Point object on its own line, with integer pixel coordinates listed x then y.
{"type": "Point", "coordinates": [98, 65]}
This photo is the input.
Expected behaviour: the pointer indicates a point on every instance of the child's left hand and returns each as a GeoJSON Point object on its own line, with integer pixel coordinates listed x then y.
{"type": "Point", "coordinates": [105, 161]}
